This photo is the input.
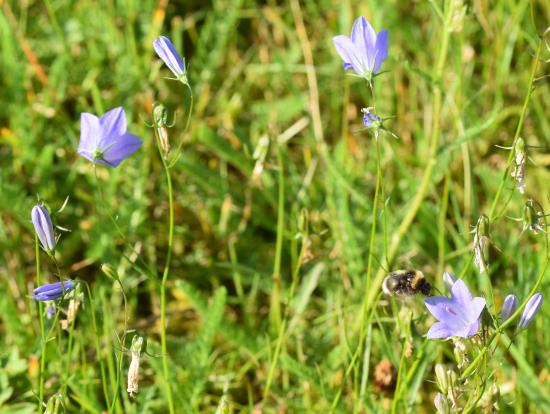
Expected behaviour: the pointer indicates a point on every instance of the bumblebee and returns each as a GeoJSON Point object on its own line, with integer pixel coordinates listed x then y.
{"type": "Point", "coordinates": [406, 283]}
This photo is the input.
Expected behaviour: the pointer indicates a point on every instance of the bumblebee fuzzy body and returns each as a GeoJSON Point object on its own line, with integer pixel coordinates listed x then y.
{"type": "Point", "coordinates": [406, 283]}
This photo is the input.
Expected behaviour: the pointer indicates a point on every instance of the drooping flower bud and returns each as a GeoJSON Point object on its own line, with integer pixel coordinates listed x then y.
{"type": "Point", "coordinates": [44, 228]}
{"type": "Point", "coordinates": [530, 311]}
{"type": "Point", "coordinates": [508, 307]}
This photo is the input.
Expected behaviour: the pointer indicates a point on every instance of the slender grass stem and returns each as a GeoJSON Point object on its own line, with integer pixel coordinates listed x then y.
{"type": "Point", "coordinates": [282, 329]}
{"type": "Point", "coordinates": [122, 344]}
{"type": "Point", "coordinates": [275, 308]}
{"type": "Point", "coordinates": [99, 349]}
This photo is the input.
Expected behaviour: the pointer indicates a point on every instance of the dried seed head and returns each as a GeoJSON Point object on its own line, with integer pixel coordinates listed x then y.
{"type": "Point", "coordinates": [133, 370]}
{"type": "Point", "coordinates": [518, 169]}
{"type": "Point", "coordinates": [384, 376]}
{"type": "Point", "coordinates": [441, 404]}
{"type": "Point", "coordinates": [74, 304]}
{"type": "Point", "coordinates": [133, 375]}
{"type": "Point", "coordinates": [481, 243]}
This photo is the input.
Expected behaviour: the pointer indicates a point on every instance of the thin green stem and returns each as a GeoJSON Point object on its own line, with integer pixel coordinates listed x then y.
{"type": "Point", "coordinates": [165, 273]}
{"type": "Point", "coordinates": [282, 329]}
{"type": "Point", "coordinates": [428, 170]}
{"type": "Point", "coordinates": [494, 205]}
{"type": "Point", "coordinates": [187, 123]}
{"type": "Point", "coordinates": [506, 172]}
{"type": "Point", "coordinates": [122, 343]}
{"type": "Point", "coordinates": [364, 309]}
{"type": "Point", "coordinates": [144, 267]}
{"type": "Point", "coordinates": [69, 351]}
{"type": "Point", "coordinates": [42, 329]}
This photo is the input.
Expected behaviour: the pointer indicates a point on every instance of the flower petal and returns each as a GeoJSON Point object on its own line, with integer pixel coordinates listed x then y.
{"type": "Point", "coordinates": [348, 53]}
{"type": "Point", "coordinates": [112, 124]}
{"type": "Point", "coordinates": [439, 330]}
{"type": "Point", "coordinates": [124, 146]}
{"type": "Point", "coordinates": [89, 133]}
{"type": "Point", "coordinates": [474, 327]}
{"type": "Point", "coordinates": [67, 285]}
{"type": "Point", "coordinates": [475, 308]}
{"type": "Point", "coordinates": [460, 293]}
{"type": "Point", "coordinates": [363, 37]}
{"type": "Point", "coordinates": [381, 49]}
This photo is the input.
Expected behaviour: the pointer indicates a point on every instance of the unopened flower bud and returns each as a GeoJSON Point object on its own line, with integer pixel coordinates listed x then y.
{"type": "Point", "coordinates": [508, 307]}
{"type": "Point", "coordinates": [160, 115]}
{"type": "Point", "coordinates": [108, 270]}
{"type": "Point", "coordinates": [44, 228]}
{"type": "Point", "coordinates": [441, 404]}
{"type": "Point", "coordinates": [532, 217]}
{"type": "Point", "coordinates": [530, 311]}
{"type": "Point", "coordinates": [371, 120]}
{"type": "Point", "coordinates": [441, 378]}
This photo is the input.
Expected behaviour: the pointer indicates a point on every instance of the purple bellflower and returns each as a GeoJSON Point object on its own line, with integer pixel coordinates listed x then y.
{"type": "Point", "coordinates": [44, 228]}
{"type": "Point", "coordinates": [53, 291]}
{"type": "Point", "coordinates": [457, 315]}
{"type": "Point", "coordinates": [105, 140]}
{"type": "Point", "coordinates": [167, 52]}
{"type": "Point", "coordinates": [365, 50]}
{"type": "Point", "coordinates": [530, 311]}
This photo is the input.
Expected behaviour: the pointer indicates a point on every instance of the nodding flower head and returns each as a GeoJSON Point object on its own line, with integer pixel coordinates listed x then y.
{"type": "Point", "coordinates": [53, 291]}
{"type": "Point", "coordinates": [365, 50]}
{"type": "Point", "coordinates": [457, 315]}
{"type": "Point", "coordinates": [44, 228]}
{"type": "Point", "coordinates": [105, 140]}
{"type": "Point", "coordinates": [168, 54]}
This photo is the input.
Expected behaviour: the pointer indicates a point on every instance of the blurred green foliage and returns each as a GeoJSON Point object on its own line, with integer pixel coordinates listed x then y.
{"type": "Point", "coordinates": [249, 70]}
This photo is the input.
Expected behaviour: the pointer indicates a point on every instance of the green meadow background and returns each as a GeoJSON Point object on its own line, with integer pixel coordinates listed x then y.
{"type": "Point", "coordinates": [277, 267]}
